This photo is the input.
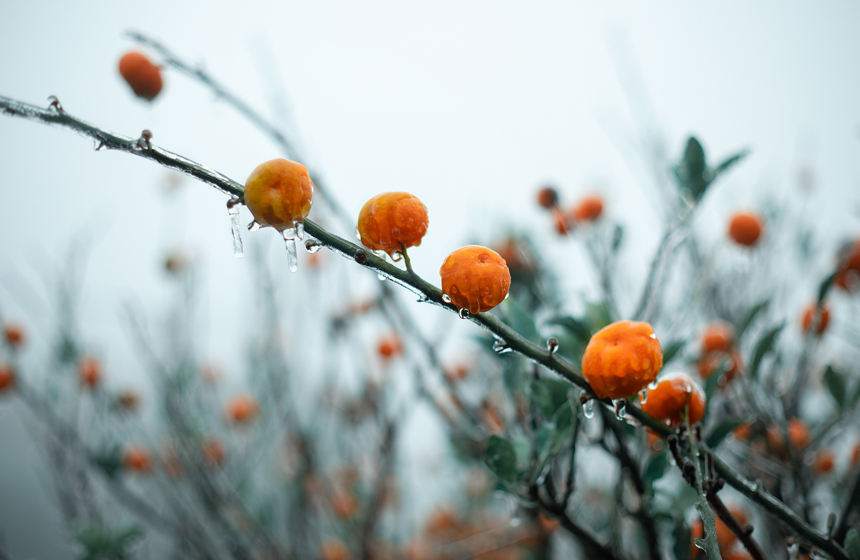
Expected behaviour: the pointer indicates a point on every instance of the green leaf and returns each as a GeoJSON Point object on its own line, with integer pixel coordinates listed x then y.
{"type": "Point", "coordinates": [655, 468]}
{"type": "Point", "coordinates": [764, 345]}
{"type": "Point", "coordinates": [727, 163]}
{"type": "Point", "coordinates": [501, 458]}
{"type": "Point", "coordinates": [694, 158]}
{"type": "Point", "coordinates": [552, 435]}
{"type": "Point", "coordinates": [719, 433]}
{"type": "Point", "coordinates": [750, 316]}
{"type": "Point", "coordinates": [672, 349]}
{"type": "Point", "coordinates": [522, 448]}
{"type": "Point", "coordinates": [682, 536]}
{"type": "Point", "coordinates": [852, 544]}
{"type": "Point", "coordinates": [835, 383]}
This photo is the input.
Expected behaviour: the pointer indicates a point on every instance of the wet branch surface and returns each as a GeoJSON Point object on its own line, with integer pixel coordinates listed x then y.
{"type": "Point", "coordinates": [424, 290]}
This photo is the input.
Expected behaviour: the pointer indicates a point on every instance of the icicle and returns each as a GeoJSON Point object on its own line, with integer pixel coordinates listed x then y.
{"type": "Point", "coordinates": [233, 211]}
{"type": "Point", "coordinates": [292, 255]}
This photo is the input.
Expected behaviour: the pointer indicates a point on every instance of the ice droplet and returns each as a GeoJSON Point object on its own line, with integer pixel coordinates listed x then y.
{"type": "Point", "coordinates": [516, 522]}
{"type": "Point", "coordinates": [501, 347]}
{"type": "Point", "coordinates": [357, 234]}
{"type": "Point", "coordinates": [643, 395]}
{"type": "Point", "coordinates": [233, 211]}
{"type": "Point", "coordinates": [292, 256]}
{"type": "Point", "coordinates": [446, 298]}
{"type": "Point", "coordinates": [54, 104]}
{"type": "Point", "coordinates": [620, 409]}
{"type": "Point", "coordinates": [464, 313]}
{"type": "Point", "coordinates": [588, 408]}
{"type": "Point", "coordinates": [396, 256]}
{"type": "Point", "coordinates": [793, 550]}
{"type": "Point", "coordinates": [254, 225]}
{"type": "Point", "coordinates": [552, 345]}
{"type": "Point", "coordinates": [98, 144]}
{"type": "Point", "coordinates": [382, 277]}
{"type": "Point", "coordinates": [300, 229]}
{"type": "Point", "coordinates": [313, 246]}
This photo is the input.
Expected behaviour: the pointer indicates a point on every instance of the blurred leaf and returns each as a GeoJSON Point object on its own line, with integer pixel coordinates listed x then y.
{"type": "Point", "coordinates": [655, 469]}
{"type": "Point", "coordinates": [727, 163]}
{"type": "Point", "coordinates": [825, 286]}
{"type": "Point", "coordinates": [552, 435]}
{"type": "Point", "coordinates": [835, 383]}
{"type": "Point", "coordinates": [597, 315]}
{"type": "Point", "coordinates": [541, 397]}
{"type": "Point", "coordinates": [465, 448]}
{"type": "Point", "coordinates": [719, 433]}
{"type": "Point", "coordinates": [521, 320]}
{"type": "Point", "coordinates": [522, 448]}
{"type": "Point", "coordinates": [672, 349]}
{"type": "Point", "coordinates": [109, 460]}
{"type": "Point", "coordinates": [559, 391]}
{"type": "Point", "coordinates": [576, 328]}
{"type": "Point", "coordinates": [764, 345]}
{"type": "Point", "coordinates": [501, 458]}
{"type": "Point", "coordinates": [750, 316]}
{"type": "Point", "coordinates": [617, 237]}
{"type": "Point", "coordinates": [682, 536]}
{"type": "Point", "coordinates": [852, 544]}
{"type": "Point", "coordinates": [855, 396]}
{"type": "Point", "coordinates": [691, 171]}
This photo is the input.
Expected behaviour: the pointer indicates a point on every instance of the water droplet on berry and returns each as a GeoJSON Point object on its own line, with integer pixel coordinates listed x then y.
{"type": "Point", "coordinates": [552, 345]}
{"type": "Point", "coordinates": [464, 313]}
{"type": "Point", "coordinates": [300, 229]}
{"type": "Point", "coordinates": [254, 226]}
{"type": "Point", "coordinates": [292, 255]}
{"type": "Point", "coordinates": [357, 234]}
{"type": "Point", "coordinates": [587, 407]}
{"type": "Point", "coordinates": [313, 246]}
{"type": "Point", "coordinates": [620, 409]}
{"type": "Point", "coordinates": [233, 211]}
{"type": "Point", "coordinates": [643, 395]}
{"type": "Point", "coordinates": [446, 298]}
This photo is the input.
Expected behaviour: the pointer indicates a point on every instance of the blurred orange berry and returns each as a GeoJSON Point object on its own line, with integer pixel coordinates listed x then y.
{"type": "Point", "coordinates": [137, 459]}
{"type": "Point", "coordinates": [738, 555]}
{"type": "Point", "coordinates": [457, 372]}
{"type": "Point", "coordinates": [718, 337]}
{"type": "Point", "coordinates": [390, 219]}
{"type": "Point", "coordinates": [89, 371]}
{"type": "Point", "coordinates": [672, 394]}
{"type": "Point", "coordinates": [279, 193]}
{"type": "Point", "coordinates": [442, 521]}
{"type": "Point", "coordinates": [515, 254]}
{"type": "Point", "coordinates": [855, 454]}
{"type": "Point", "coordinates": [798, 433]}
{"type": "Point", "coordinates": [621, 359]}
{"type": "Point", "coordinates": [7, 377]}
{"type": "Point", "coordinates": [710, 362]}
{"type": "Point", "coordinates": [654, 442]}
{"type": "Point", "coordinates": [548, 524]}
{"type": "Point", "coordinates": [745, 228]}
{"type": "Point", "coordinates": [343, 503]}
{"type": "Point", "coordinates": [212, 452]}
{"type": "Point", "coordinates": [848, 280]}
{"type": "Point", "coordinates": [848, 274]}
{"type": "Point", "coordinates": [491, 419]}
{"type": "Point", "coordinates": [588, 209]}
{"type": "Point", "coordinates": [13, 334]}
{"type": "Point", "coordinates": [562, 224]}
{"type": "Point", "coordinates": [390, 346]}
{"type": "Point", "coordinates": [242, 409]}
{"type": "Point", "coordinates": [725, 537]}
{"type": "Point", "coordinates": [547, 197]}
{"type": "Point", "coordinates": [475, 278]}
{"type": "Point", "coordinates": [333, 549]}
{"type": "Point", "coordinates": [809, 313]}
{"type": "Point", "coordinates": [128, 400]}
{"type": "Point", "coordinates": [744, 431]}
{"type": "Point", "coordinates": [143, 76]}
{"type": "Point", "coordinates": [824, 461]}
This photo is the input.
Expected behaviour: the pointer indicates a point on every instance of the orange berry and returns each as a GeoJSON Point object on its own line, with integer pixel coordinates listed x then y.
{"type": "Point", "coordinates": [278, 193]}
{"type": "Point", "coordinates": [13, 334]}
{"type": "Point", "coordinates": [798, 433]}
{"type": "Point", "coordinates": [7, 377]}
{"type": "Point", "coordinates": [824, 461]}
{"type": "Point", "coordinates": [809, 313]}
{"type": "Point", "coordinates": [390, 220]}
{"type": "Point", "coordinates": [516, 255]}
{"type": "Point", "coordinates": [621, 359]}
{"type": "Point", "coordinates": [673, 393]}
{"type": "Point", "coordinates": [547, 197]}
{"type": "Point", "coordinates": [709, 363]}
{"type": "Point", "coordinates": [475, 278]}
{"type": "Point", "coordinates": [137, 459]}
{"type": "Point", "coordinates": [333, 549]}
{"type": "Point", "coordinates": [745, 228]}
{"type": "Point", "coordinates": [128, 400]}
{"type": "Point", "coordinates": [718, 336]}
{"type": "Point", "coordinates": [847, 279]}
{"type": "Point", "coordinates": [390, 346]}
{"type": "Point", "coordinates": [89, 371]}
{"type": "Point", "coordinates": [212, 452]}
{"type": "Point", "coordinates": [241, 409]}
{"type": "Point", "coordinates": [849, 256]}
{"type": "Point", "coordinates": [725, 537]}
{"type": "Point", "coordinates": [562, 224]}
{"type": "Point", "coordinates": [143, 76]}
{"type": "Point", "coordinates": [744, 431]}
{"type": "Point", "coordinates": [588, 209]}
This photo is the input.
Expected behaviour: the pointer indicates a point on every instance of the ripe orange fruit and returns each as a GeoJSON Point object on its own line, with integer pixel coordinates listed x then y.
{"type": "Point", "coordinates": [672, 394]}
{"type": "Point", "coordinates": [7, 377]}
{"type": "Point", "coordinates": [137, 459]}
{"type": "Point", "coordinates": [588, 209]}
{"type": "Point", "coordinates": [475, 278]}
{"type": "Point", "coordinates": [212, 452]}
{"type": "Point", "coordinates": [89, 371]}
{"type": "Point", "coordinates": [143, 76]}
{"type": "Point", "coordinates": [390, 346]}
{"type": "Point", "coordinates": [718, 337]}
{"type": "Point", "coordinates": [621, 359]}
{"type": "Point", "coordinates": [824, 461]}
{"type": "Point", "coordinates": [798, 433]}
{"type": "Point", "coordinates": [278, 193]}
{"type": "Point", "coordinates": [547, 197]}
{"type": "Point", "coordinates": [809, 313]}
{"type": "Point", "coordinates": [13, 334]}
{"type": "Point", "coordinates": [390, 219]}
{"type": "Point", "coordinates": [333, 549]}
{"type": "Point", "coordinates": [709, 363]}
{"type": "Point", "coordinates": [242, 409]}
{"type": "Point", "coordinates": [745, 228]}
